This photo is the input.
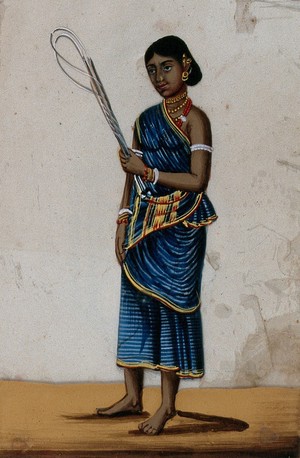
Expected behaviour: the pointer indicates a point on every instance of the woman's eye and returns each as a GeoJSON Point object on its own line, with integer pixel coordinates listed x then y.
{"type": "Point", "coordinates": [151, 71]}
{"type": "Point", "coordinates": [167, 68]}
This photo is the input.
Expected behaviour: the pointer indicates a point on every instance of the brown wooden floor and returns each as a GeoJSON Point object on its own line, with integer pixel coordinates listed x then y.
{"type": "Point", "coordinates": [38, 420]}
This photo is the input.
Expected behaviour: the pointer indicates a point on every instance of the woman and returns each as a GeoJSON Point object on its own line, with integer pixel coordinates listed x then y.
{"type": "Point", "coordinates": [161, 236]}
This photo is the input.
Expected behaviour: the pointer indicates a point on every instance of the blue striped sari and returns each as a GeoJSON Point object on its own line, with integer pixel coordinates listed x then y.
{"type": "Point", "coordinates": [160, 322]}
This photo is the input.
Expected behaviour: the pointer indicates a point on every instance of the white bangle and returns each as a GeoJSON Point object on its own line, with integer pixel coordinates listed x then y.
{"type": "Point", "coordinates": [124, 210]}
{"type": "Point", "coordinates": [201, 147]}
{"type": "Point", "coordinates": [156, 175]}
{"type": "Point", "coordinates": [137, 152]}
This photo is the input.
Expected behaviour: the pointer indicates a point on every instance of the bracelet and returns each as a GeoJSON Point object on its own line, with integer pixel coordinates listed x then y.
{"type": "Point", "coordinates": [125, 210]}
{"type": "Point", "coordinates": [148, 174]}
{"type": "Point", "coordinates": [122, 219]}
{"type": "Point", "coordinates": [137, 152]}
{"type": "Point", "coordinates": [156, 175]}
{"type": "Point", "coordinates": [151, 175]}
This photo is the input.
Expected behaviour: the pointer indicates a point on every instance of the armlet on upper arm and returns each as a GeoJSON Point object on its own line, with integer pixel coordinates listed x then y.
{"type": "Point", "coordinates": [201, 147]}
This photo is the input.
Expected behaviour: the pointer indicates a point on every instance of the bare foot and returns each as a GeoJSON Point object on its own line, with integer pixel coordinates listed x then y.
{"type": "Point", "coordinates": [155, 424]}
{"type": "Point", "coordinates": [126, 406]}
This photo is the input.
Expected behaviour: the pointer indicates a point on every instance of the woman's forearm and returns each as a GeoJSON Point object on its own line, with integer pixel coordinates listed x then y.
{"type": "Point", "coordinates": [184, 181]}
{"type": "Point", "coordinates": [196, 180]}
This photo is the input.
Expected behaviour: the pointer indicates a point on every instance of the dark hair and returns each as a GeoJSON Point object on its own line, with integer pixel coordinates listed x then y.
{"type": "Point", "coordinates": [171, 46]}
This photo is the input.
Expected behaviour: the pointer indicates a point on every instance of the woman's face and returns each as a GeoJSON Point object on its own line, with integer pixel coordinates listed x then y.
{"type": "Point", "coordinates": [165, 75]}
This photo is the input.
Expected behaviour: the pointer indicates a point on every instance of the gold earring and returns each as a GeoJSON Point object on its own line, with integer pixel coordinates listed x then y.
{"type": "Point", "coordinates": [185, 60]}
{"type": "Point", "coordinates": [185, 76]}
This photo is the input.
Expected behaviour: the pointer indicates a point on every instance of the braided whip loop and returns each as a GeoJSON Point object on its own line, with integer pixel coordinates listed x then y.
{"type": "Point", "coordinates": [96, 86]}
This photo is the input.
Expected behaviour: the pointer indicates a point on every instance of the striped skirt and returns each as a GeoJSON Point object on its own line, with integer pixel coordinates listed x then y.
{"type": "Point", "coordinates": [152, 335]}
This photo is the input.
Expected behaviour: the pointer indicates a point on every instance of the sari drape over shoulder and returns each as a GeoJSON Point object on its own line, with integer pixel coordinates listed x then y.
{"type": "Point", "coordinates": [165, 263]}
{"type": "Point", "coordinates": [160, 322]}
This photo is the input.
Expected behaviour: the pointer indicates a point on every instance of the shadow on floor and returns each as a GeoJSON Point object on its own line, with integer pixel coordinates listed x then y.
{"type": "Point", "coordinates": [209, 423]}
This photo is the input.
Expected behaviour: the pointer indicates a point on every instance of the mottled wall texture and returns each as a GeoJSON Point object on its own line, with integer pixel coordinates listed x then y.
{"type": "Point", "coordinates": [61, 184]}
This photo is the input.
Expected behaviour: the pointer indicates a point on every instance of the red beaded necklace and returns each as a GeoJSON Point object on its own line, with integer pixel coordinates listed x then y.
{"type": "Point", "coordinates": [182, 118]}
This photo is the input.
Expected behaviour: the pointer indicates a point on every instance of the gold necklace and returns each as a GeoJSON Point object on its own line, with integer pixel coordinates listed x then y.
{"type": "Point", "coordinates": [174, 110]}
{"type": "Point", "coordinates": [172, 100]}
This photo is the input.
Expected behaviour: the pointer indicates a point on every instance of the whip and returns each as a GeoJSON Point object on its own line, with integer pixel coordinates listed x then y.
{"type": "Point", "coordinates": [96, 86]}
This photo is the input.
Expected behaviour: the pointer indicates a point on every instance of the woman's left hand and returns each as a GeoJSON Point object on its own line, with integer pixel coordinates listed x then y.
{"type": "Point", "coordinates": [132, 164]}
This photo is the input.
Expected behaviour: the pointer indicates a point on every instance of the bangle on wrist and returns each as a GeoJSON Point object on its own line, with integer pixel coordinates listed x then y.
{"type": "Point", "coordinates": [156, 175]}
{"type": "Point", "coordinates": [122, 219]}
{"type": "Point", "coordinates": [125, 211]}
{"type": "Point", "coordinates": [148, 174]}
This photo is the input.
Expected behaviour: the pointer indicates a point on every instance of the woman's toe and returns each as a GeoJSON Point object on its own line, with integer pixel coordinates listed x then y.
{"type": "Point", "coordinates": [145, 428]}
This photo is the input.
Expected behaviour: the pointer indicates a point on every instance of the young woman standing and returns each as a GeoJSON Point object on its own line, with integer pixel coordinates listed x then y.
{"type": "Point", "coordinates": [161, 236]}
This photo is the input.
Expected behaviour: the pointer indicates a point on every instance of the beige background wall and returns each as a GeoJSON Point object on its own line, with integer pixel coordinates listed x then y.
{"type": "Point", "coordinates": [61, 184]}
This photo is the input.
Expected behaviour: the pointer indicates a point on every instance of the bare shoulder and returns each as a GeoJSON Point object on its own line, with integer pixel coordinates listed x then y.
{"type": "Point", "coordinates": [199, 125]}
{"type": "Point", "coordinates": [199, 117]}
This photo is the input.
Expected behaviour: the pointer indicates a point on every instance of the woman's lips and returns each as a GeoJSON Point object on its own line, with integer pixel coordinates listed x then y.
{"type": "Point", "coordinates": [161, 87]}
